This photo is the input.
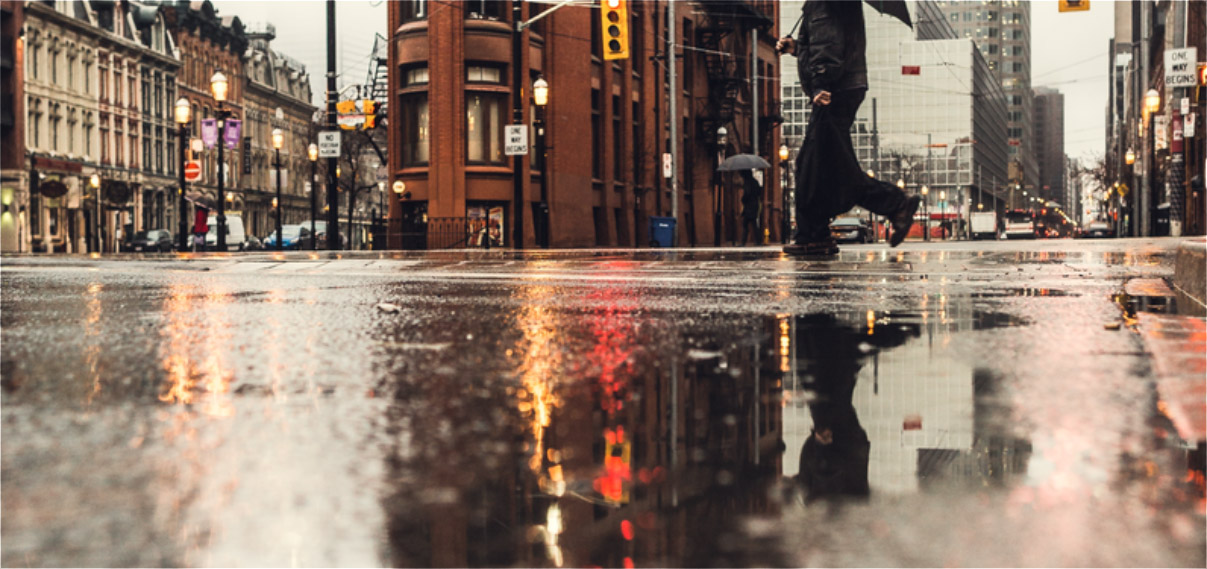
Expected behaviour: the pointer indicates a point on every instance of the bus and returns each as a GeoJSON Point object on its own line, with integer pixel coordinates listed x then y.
{"type": "Point", "coordinates": [1019, 224]}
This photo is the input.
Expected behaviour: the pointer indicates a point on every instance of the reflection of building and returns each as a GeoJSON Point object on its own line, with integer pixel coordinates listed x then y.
{"type": "Point", "coordinates": [275, 81]}
{"type": "Point", "coordinates": [452, 71]}
{"type": "Point", "coordinates": [14, 174]}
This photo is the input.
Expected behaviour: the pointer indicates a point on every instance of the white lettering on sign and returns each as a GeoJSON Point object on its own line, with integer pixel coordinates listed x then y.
{"type": "Point", "coordinates": [515, 138]}
{"type": "Point", "coordinates": [329, 144]}
{"type": "Point", "coordinates": [1180, 67]}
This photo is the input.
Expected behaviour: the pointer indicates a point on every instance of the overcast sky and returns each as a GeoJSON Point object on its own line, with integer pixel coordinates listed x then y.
{"type": "Point", "coordinates": [1068, 52]}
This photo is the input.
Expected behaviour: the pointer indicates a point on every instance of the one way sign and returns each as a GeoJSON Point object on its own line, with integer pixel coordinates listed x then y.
{"type": "Point", "coordinates": [516, 137]}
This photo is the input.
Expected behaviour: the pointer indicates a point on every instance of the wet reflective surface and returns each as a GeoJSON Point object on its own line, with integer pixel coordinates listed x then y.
{"type": "Point", "coordinates": [927, 407]}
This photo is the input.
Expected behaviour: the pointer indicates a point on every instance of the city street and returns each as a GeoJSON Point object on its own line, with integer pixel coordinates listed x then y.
{"type": "Point", "coordinates": [597, 408]}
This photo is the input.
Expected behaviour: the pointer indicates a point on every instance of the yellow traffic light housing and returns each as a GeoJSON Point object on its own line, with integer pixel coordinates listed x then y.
{"type": "Point", "coordinates": [1074, 5]}
{"type": "Point", "coordinates": [370, 108]}
{"type": "Point", "coordinates": [614, 18]}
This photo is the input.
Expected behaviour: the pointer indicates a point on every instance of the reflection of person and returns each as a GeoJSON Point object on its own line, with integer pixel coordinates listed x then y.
{"type": "Point", "coordinates": [833, 73]}
{"type": "Point", "coordinates": [834, 459]}
{"type": "Point", "coordinates": [752, 202]}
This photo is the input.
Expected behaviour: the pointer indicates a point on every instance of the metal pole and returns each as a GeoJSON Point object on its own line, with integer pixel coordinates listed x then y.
{"type": "Point", "coordinates": [221, 241]}
{"type": "Point", "coordinates": [1143, 212]}
{"type": "Point", "coordinates": [184, 228]}
{"type": "Point", "coordinates": [543, 151]}
{"type": "Point", "coordinates": [280, 236]}
{"type": "Point", "coordinates": [517, 117]}
{"type": "Point", "coordinates": [314, 204]}
{"type": "Point", "coordinates": [754, 91]}
{"type": "Point", "coordinates": [332, 163]}
{"type": "Point", "coordinates": [673, 116]}
{"type": "Point", "coordinates": [875, 167]}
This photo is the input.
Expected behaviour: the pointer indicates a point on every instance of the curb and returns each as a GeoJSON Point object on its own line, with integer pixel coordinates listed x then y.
{"type": "Point", "coordinates": [1190, 276]}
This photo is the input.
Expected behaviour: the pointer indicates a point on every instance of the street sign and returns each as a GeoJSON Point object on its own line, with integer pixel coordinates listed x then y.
{"type": "Point", "coordinates": [329, 144]}
{"type": "Point", "coordinates": [1180, 67]}
{"type": "Point", "coordinates": [1185, 105]}
{"type": "Point", "coordinates": [516, 137]}
{"type": "Point", "coordinates": [1188, 125]}
{"type": "Point", "coordinates": [192, 171]}
{"type": "Point", "coordinates": [668, 165]}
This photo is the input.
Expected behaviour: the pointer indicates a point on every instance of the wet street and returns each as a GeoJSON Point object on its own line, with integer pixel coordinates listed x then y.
{"type": "Point", "coordinates": [971, 404]}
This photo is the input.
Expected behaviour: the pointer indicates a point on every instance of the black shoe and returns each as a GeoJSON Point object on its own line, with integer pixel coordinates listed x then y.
{"type": "Point", "coordinates": [827, 248]}
{"type": "Point", "coordinates": [903, 220]}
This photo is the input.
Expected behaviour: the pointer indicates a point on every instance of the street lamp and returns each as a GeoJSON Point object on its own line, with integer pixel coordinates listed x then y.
{"type": "Point", "coordinates": [219, 87]}
{"type": "Point", "coordinates": [95, 182]}
{"type": "Point", "coordinates": [943, 212]}
{"type": "Point", "coordinates": [182, 120]}
{"type": "Point", "coordinates": [1152, 101]}
{"type": "Point", "coordinates": [540, 96]}
{"type": "Point", "coordinates": [901, 183]}
{"type": "Point", "coordinates": [1130, 157]}
{"type": "Point", "coordinates": [1152, 104]}
{"type": "Point", "coordinates": [925, 213]}
{"type": "Point", "coordinates": [722, 140]}
{"type": "Point", "coordinates": [278, 140]}
{"type": "Point", "coordinates": [312, 152]}
{"type": "Point", "coordinates": [785, 215]}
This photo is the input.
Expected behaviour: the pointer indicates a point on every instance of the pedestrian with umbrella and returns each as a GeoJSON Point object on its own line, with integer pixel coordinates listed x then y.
{"type": "Point", "coordinates": [752, 205]}
{"type": "Point", "coordinates": [833, 74]}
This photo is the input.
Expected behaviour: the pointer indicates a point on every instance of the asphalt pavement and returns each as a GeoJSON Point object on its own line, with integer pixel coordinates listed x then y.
{"type": "Point", "coordinates": [941, 404]}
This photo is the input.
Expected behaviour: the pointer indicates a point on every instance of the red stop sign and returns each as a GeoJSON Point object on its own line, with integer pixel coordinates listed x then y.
{"type": "Point", "coordinates": [192, 171]}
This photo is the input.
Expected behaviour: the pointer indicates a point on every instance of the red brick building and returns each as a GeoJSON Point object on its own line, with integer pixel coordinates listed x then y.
{"type": "Point", "coordinates": [451, 87]}
{"type": "Point", "coordinates": [14, 178]}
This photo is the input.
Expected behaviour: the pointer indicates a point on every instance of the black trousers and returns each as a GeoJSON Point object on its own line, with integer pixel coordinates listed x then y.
{"type": "Point", "coordinates": [829, 179]}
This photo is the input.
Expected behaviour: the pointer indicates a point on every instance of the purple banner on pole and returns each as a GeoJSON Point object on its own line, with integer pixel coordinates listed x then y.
{"type": "Point", "coordinates": [234, 128]}
{"type": "Point", "coordinates": [209, 132]}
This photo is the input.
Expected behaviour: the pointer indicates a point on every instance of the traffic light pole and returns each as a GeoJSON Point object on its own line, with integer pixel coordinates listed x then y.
{"type": "Point", "coordinates": [332, 163]}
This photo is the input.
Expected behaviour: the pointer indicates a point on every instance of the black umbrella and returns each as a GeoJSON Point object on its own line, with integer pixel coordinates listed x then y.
{"type": "Point", "coordinates": [894, 8]}
{"type": "Point", "coordinates": [743, 162]}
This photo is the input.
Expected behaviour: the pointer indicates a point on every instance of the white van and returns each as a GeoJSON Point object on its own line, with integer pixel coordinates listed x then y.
{"type": "Point", "coordinates": [236, 238]}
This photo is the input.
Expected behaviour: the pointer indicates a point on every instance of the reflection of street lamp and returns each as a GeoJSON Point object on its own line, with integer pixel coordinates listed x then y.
{"type": "Point", "coordinates": [95, 182]}
{"type": "Point", "coordinates": [925, 213]}
{"type": "Point", "coordinates": [278, 140]}
{"type": "Point", "coordinates": [182, 119]}
{"type": "Point", "coordinates": [312, 152]}
{"type": "Point", "coordinates": [540, 96]}
{"type": "Point", "coordinates": [219, 86]}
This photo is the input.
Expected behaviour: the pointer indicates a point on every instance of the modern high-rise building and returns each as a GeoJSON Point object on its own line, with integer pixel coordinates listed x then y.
{"type": "Point", "coordinates": [1002, 32]}
{"type": "Point", "coordinates": [1049, 144]}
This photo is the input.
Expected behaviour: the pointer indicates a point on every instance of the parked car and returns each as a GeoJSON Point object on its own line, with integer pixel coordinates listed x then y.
{"type": "Point", "coordinates": [850, 230]}
{"type": "Point", "coordinates": [1099, 229]}
{"type": "Point", "coordinates": [293, 234]}
{"type": "Point", "coordinates": [157, 240]}
{"type": "Point", "coordinates": [235, 235]}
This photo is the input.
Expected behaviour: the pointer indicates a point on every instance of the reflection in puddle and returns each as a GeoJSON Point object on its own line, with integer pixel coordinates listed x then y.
{"type": "Point", "coordinates": [611, 433]}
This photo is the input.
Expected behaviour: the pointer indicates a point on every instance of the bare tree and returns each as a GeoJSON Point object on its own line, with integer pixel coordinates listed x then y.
{"type": "Point", "coordinates": [359, 149]}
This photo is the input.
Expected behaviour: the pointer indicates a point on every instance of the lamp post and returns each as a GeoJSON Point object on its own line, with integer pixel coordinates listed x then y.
{"type": "Point", "coordinates": [312, 152]}
{"type": "Point", "coordinates": [540, 96]}
{"type": "Point", "coordinates": [722, 140]}
{"type": "Point", "coordinates": [871, 216]}
{"type": "Point", "coordinates": [219, 86]}
{"type": "Point", "coordinates": [785, 221]}
{"type": "Point", "coordinates": [943, 212]}
{"type": "Point", "coordinates": [182, 120]}
{"type": "Point", "coordinates": [1152, 105]}
{"type": "Point", "coordinates": [278, 140]}
{"type": "Point", "coordinates": [925, 213]}
{"type": "Point", "coordinates": [95, 182]}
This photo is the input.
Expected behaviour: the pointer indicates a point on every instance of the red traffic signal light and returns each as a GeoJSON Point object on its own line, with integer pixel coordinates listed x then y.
{"type": "Point", "coordinates": [614, 18]}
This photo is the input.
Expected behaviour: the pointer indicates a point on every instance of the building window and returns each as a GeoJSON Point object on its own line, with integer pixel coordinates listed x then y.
{"type": "Point", "coordinates": [484, 130]}
{"type": "Point", "coordinates": [414, 10]}
{"type": "Point", "coordinates": [596, 137]}
{"type": "Point", "coordinates": [171, 151]}
{"type": "Point", "coordinates": [482, 74]}
{"type": "Point", "coordinates": [54, 67]}
{"type": "Point", "coordinates": [485, 9]}
{"type": "Point", "coordinates": [416, 136]}
{"type": "Point", "coordinates": [617, 141]}
{"type": "Point", "coordinates": [415, 76]}
{"type": "Point", "coordinates": [146, 146]}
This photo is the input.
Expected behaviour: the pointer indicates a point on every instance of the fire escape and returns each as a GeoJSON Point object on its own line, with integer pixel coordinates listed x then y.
{"type": "Point", "coordinates": [377, 83]}
{"type": "Point", "coordinates": [722, 40]}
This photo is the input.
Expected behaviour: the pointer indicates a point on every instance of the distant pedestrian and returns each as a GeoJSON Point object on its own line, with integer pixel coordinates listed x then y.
{"type": "Point", "coordinates": [752, 204]}
{"type": "Point", "coordinates": [833, 73]}
{"type": "Point", "coordinates": [200, 228]}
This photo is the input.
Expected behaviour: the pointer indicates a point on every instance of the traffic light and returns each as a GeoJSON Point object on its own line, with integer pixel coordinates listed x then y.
{"type": "Point", "coordinates": [370, 108]}
{"type": "Point", "coordinates": [1203, 75]}
{"type": "Point", "coordinates": [1074, 5]}
{"type": "Point", "coordinates": [614, 17]}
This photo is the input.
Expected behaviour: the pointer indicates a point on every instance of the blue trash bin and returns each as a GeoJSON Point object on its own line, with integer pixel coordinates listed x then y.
{"type": "Point", "coordinates": [662, 231]}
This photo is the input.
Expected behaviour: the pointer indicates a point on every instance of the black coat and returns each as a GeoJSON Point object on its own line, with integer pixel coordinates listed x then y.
{"type": "Point", "coordinates": [830, 49]}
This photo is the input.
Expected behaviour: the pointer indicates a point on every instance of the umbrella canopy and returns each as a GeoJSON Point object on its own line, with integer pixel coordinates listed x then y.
{"type": "Point", "coordinates": [743, 162]}
{"type": "Point", "coordinates": [894, 8]}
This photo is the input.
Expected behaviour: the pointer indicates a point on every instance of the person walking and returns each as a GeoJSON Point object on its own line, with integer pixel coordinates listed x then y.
{"type": "Point", "coordinates": [752, 202]}
{"type": "Point", "coordinates": [833, 73]}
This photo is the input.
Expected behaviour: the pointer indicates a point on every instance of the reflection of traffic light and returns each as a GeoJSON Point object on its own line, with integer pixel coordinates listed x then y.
{"type": "Point", "coordinates": [615, 21]}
